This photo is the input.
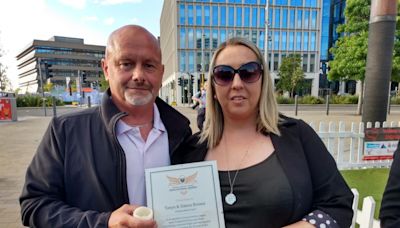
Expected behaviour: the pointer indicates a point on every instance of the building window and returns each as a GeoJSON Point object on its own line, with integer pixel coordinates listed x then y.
{"type": "Point", "coordinates": [206, 15]}
{"type": "Point", "coordinates": [231, 33]}
{"type": "Point", "coordinates": [276, 41]}
{"type": "Point", "coordinates": [182, 14]}
{"type": "Point", "coordinates": [292, 19]}
{"type": "Point", "coordinates": [215, 15]}
{"type": "Point", "coordinates": [254, 15]}
{"type": "Point", "coordinates": [238, 16]}
{"type": "Point", "coordinates": [284, 18]}
{"type": "Point", "coordinates": [231, 17]}
{"type": "Point", "coordinates": [246, 16]}
{"type": "Point", "coordinates": [312, 63]}
{"type": "Point", "coordinates": [306, 19]}
{"type": "Point", "coordinates": [199, 41]}
{"type": "Point", "coordinates": [190, 14]}
{"type": "Point", "coordinates": [182, 39]}
{"type": "Point", "coordinates": [305, 62]}
{"type": "Point", "coordinates": [284, 41]}
{"type": "Point", "coordinates": [198, 15]}
{"type": "Point", "coordinates": [296, 2]}
{"type": "Point", "coordinates": [198, 61]}
{"type": "Point", "coordinates": [276, 62]}
{"type": "Point", "coordinates": [281, 2]}
{"type": "Point", "coordinates": [277, 18]}
{"type": "Point", "coordinates": [261, 40]}
{"type": "Point", "coordinates": [239, 33]}
{"type": "Point", "coordinates": [191, 61]}
{"type": "Point", "coordinates": [223, 15]}
{"type": "Point", "coordinates": [254, 37]}
{"type": "Point", "coordinates": [252, 2]}
{"type": "Point", "coordinates": [311, 3]}
{"type": "Point", "coordinates": [214, 38]}
{"type": "Point", "coordinates": [305, 47]}
{"type": "Point", "coordinates": [246, 34]}
{"type": "Point", "coordinates": [182, 58]}
{"type": "Point", "coordinates": [314, 19]}
{"type": "Point", "coordinates": [190, 38]}
{"type": "Point", "coordinates": [262, 18]}
{"type": "Point", "coordinates": [207, 38]}
{"type": "Point", "coordinates": [291, 41]}
{"type": "Point", "coordinates": [298, 41]}
{"type": "Point", "coordinates": [313, 45]}
{"type": "Point", "coordinates": [222, 34]}
{"type": "Point", "coordinates": [299, 18]}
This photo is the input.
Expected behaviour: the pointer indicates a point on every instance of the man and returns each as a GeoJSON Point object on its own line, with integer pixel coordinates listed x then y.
{"type": "Point", "coordinates": [200, 98]}
{"type": "Point", "coordinates": [89, 168]}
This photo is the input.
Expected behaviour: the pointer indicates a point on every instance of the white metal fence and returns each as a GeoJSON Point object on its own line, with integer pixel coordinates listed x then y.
{"type": "Point", "coordinates": [347, 144]}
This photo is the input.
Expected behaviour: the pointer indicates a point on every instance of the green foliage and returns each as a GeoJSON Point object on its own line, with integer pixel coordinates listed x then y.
{"type": "Point", "coordinates": [308, 99]}
{"type": "Point", "coordinates": [346, 99]}
{"type": "Point", "coordinates": [36, 101]}
{"type": "Point", "coordinates": [395, 100]}
{"type": "Point", "coordinates": [290, 74]}
{"type": "Point", "coordinates": [350, 50]}
{"type": "Point", "coordinates": [284, 99]}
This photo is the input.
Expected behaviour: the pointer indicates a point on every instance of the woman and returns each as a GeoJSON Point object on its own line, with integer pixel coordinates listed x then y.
{"type": "Point", "coordinates": [274, 171]}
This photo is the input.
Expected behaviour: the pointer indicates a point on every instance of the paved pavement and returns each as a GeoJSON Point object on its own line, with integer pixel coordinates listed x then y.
{"type": "Point", "coordinates": [18, 142]}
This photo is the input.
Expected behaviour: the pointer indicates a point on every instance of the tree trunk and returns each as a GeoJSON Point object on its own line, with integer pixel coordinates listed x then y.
{"type": "Point", "coordinates": [360, 99]}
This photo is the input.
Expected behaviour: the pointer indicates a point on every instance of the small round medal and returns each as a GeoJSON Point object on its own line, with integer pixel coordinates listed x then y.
{"type": "Point", "coordinates": [230, 198]}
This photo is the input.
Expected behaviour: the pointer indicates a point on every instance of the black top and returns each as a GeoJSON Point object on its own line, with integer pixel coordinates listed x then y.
{"type": "Point", "coordinates": [263, 193]}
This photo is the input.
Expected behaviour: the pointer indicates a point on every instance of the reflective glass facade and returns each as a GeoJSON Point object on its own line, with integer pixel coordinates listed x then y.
{"type": "Point", "coordinates": [293, 28]}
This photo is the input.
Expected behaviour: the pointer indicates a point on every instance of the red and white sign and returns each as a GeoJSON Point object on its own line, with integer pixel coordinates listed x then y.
{"type": "Point", "coordinates": [5, 109]}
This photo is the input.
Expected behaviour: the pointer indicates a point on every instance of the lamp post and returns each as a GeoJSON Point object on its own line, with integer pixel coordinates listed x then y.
{"type": "Point", "coordinates": [41, 85]}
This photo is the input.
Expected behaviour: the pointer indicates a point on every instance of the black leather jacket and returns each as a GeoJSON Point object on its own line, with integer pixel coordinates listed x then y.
{"type": "Point", "coordinates": [78, 174]}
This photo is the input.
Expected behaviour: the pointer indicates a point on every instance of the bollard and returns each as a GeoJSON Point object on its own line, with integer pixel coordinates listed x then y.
{"type": "Point", "coordinates": [327, 104]}
{"type": "Point", "coordinates": [295, 104]}
{"type": "Point", "coordinates": [53, 98]}
{"type": "Point", "coordinates": [44, 106]}
{"type": "Point", "coordinates": [89, 103]}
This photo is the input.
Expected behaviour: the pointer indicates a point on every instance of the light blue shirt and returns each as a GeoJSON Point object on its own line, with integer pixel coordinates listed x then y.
{"type": "Point", "coordinates": [140, 154]}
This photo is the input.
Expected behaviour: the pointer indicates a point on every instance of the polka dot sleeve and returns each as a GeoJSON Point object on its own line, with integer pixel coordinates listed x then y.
{"type": "Point", "coordinates": [320, 219]}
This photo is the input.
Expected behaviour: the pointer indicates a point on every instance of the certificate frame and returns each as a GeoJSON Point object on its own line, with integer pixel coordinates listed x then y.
{"type": "Point", "coordinates": [186, 195]}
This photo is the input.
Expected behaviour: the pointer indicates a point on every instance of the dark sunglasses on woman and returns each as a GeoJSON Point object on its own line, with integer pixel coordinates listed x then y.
{"type": "Point", "coordinates": [249, 72]}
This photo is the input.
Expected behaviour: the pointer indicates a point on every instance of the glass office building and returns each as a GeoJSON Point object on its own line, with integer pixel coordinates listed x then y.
{"type": "Point", "coordinates": [191, 30]}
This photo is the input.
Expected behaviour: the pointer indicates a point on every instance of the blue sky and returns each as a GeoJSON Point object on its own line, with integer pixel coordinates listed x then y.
{"type": "Point", "coordinates": [22, 21]}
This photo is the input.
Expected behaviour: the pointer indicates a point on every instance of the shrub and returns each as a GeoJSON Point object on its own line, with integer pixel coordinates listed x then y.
{"type": "Point", "coordinates": [284, 100]}
{"type": "Point", "coordinates": [308, 99]}
{"type": "Point", "coordinates": [35, 101]}
{"type": "Point", "coordinates": [395, 100]}
{"type": "Point", "coordinates": [343, 99]}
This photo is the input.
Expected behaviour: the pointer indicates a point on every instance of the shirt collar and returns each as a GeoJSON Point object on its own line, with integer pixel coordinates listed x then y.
{"type": "Point", "coordinates": [122, 127]}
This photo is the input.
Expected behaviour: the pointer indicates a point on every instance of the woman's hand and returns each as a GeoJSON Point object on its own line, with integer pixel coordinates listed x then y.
{"type": "Point", "coordinates": [300, 224]}
{"type": "Point", "coordinates": [123, 217]}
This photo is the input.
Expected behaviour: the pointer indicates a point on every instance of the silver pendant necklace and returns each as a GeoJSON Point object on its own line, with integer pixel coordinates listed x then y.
{"type": "Point", "coordinates": [230, 198]}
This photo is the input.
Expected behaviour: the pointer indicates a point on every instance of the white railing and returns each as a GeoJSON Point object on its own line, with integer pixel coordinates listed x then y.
{"type": "Point", "coordinates": [364, 217]}
{"type": "Point", "coordinates": [347, 145]}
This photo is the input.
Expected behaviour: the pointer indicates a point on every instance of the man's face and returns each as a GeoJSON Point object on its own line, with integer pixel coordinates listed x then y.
{"type": "Point", "coordinates": [134, 70]}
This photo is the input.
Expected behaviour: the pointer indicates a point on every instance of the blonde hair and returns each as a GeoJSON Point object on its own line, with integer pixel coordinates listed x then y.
{"type": "Point", "coordinates": [268, 116]}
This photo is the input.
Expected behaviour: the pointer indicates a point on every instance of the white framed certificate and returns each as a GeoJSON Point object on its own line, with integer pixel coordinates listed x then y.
{"type": "Point", "coordinates": [186, 195]}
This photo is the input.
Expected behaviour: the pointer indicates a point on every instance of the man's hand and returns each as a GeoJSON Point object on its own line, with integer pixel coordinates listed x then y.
{"type": "Point", "coordinates": [123, 217]}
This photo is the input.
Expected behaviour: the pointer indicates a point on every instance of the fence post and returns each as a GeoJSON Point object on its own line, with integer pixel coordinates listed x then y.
{"type": "Point", "coordinates": [355, 206]}
{"type": "Point", "coordinates": [366, 217]}
{"type": "Point", "coordinates": [54, 101]}
{"type": "Point", "coordinates": [295, 104]}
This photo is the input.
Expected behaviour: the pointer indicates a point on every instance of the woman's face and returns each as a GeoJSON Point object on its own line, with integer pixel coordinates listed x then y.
{"type": "Point", "coordinates": [238, 99]}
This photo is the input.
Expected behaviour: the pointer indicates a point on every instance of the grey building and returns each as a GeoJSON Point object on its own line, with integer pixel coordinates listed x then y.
{"type": "Point", "coordinates": [58, 60]}
{"type": "Point", "coordinates": [192, 30]}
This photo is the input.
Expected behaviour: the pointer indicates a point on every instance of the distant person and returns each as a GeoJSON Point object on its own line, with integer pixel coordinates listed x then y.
{"type": "Point", "coordinates": [274, 171]}
{"type": "Point", "coordinates": [200, 98]}
{"type": "Point", "coordinates": [390, 206]}
{"type": "Point", "coordinates": [88, 170]}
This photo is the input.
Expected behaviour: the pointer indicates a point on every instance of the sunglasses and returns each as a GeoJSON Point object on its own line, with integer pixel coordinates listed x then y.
{"type": "Point", "coordinates": [249, 73]}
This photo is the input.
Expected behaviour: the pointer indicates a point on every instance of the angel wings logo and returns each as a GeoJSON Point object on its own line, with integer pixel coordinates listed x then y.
{"type": "Point", "coordinates": [182, 183]}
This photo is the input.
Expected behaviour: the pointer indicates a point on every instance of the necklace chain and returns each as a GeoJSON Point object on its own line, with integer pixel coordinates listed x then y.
{"type": "Point", "coordinates": [232, 182]}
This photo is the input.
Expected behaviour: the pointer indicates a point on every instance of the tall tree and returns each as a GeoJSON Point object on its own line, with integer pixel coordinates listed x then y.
{"type": "Point", "coordinates": [291, 74]}
{"type": "Point", "coordinates": [350, 51]}
{"type": "Point", "coordinates": [5, 83]}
